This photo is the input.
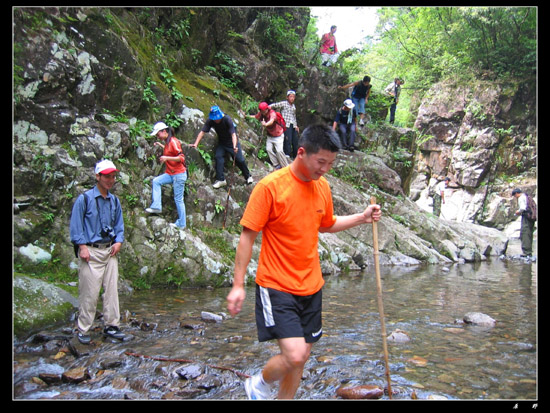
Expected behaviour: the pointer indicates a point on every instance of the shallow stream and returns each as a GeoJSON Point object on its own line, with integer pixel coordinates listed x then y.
{"type": "Point", "coordinates": [443, 359]}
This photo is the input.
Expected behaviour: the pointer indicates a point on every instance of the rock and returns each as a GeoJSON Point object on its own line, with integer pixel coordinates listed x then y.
{"type": "Point", "coordinates": [189, 372]}
{"type": "Point", "coordinates": [76, 375]}
{"type": "Point", "coordinates": [206, 316]}
{"type": "Point", "coordinates": [479, 319]}
{"type": "Point", "coordinates": [436, 397]}
{"type": "Point", "coordinates": [50, 378]}
{"type": "Point", "coordinates": [399, 336]}
{"type": "Point", "coordinates": [35, 254]}
{"type": "Point", "coordinates": [365, 391]}
{"type": "Point", "coordinates": [38, 303]}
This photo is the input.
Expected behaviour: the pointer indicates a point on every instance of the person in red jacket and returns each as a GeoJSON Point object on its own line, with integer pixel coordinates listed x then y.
{"type": "Point", "coordinates": [175, 173]}
{"type": "Point", "coordinates": [275, 135]}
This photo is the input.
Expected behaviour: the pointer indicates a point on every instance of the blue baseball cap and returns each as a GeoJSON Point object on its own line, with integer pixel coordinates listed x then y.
{"type": "Point", "coordinates": [215, 113]}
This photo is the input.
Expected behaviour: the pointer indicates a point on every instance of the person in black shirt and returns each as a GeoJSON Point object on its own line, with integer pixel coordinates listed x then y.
{"type": "Point", "coordinates": [360, 95]}
{"type": "Point", "coordinates": [227, 142]}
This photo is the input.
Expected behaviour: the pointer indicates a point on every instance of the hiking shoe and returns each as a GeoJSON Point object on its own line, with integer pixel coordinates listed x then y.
{"type": "Point", "coordinates": [113, 332]}
{"type": "Point", "coordinates": [256, 388]}
{"type": "Point", "coordinates": [249, 180]}
{"type": "Point", "coordinates": [153, 210]}
{"type": "Point", "coordinates": [84, 338]}
{"type": "Point", "coordinates": [219, 184]}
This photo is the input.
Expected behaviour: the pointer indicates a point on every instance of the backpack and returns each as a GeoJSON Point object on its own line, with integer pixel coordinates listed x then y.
{"type": "Point", "coordinates": [531, 211]}
{"type": "Point", "coordinates": [280, 121]}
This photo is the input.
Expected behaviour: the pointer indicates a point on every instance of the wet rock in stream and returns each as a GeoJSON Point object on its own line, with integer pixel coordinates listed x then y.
{"type": "Point", "coordinates": [366, 391]}
{"type": "Point", "coordinates": [479, 319]}
{"type": "Point", "coordinates": [398, 336]}
{"type": "Point", "coordinates": [189, 372]}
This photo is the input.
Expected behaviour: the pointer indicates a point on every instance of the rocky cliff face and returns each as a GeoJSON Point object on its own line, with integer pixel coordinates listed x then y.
{"type": "Point", "coordinates": [89, 83]}
{"type": "Point", "coordinates": [483, 135]}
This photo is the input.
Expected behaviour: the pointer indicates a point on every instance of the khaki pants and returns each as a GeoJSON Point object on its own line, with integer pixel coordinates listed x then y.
{"type": "Point", "coordinates": [100, 271]}
{"type": "Point", "coordinates": [274, 148]}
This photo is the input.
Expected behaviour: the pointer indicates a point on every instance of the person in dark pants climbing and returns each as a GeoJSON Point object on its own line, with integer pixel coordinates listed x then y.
{"type": "Point", "coordinates": [227, 142]}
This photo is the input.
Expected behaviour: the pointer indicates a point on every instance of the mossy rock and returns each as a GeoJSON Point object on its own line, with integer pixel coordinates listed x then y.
{"type": "Point", "coordinates": [37, 304]}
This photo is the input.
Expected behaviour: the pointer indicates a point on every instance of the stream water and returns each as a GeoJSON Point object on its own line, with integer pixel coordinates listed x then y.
{"type": "Point", "coordinates": [443, 359]}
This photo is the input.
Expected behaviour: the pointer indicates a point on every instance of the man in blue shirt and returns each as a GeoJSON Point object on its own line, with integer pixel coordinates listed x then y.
{"type": "Point", "coordinates": [97, 231]}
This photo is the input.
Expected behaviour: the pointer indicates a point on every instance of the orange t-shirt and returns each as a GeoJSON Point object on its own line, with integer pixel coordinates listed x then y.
{"type": "Point", "coordinates": [289, 212]}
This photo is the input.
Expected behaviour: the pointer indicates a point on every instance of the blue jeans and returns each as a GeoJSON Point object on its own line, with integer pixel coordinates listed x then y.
{"type": "Point", "coordinates": [359, 104]}
{"type": "Point", "coordinates": [178, 182]}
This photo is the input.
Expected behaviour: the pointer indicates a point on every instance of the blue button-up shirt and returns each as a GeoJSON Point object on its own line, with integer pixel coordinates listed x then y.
{"type": "Point", "coordinates": [86, 224]}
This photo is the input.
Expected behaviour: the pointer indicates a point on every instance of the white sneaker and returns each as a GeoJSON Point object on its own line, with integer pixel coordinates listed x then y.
{"type": "Point", "coordinates": [256, 388]}
{"type": "Point", "coordinates": [153, 210]}
{"type": "Point", "coordinates": [250, 180]}
{"type": "Point", "coordinates": [219, 184]}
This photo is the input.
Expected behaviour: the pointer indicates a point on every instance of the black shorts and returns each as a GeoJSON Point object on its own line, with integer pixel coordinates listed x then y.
{"type": "Point", "coordinates": [284, 315]}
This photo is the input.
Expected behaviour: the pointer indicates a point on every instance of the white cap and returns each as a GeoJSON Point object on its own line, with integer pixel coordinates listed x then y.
{"type": "Point", "coordinates": [290, 92]}
{"type": "Point", "coordinates": [349, 104]}
{"type": "Point", "coordinates": [158, 127]}
{"type": "Point", "coordinates": [105, 167]}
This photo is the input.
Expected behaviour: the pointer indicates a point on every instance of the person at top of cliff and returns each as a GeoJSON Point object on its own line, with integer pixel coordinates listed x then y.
{"type": "Point", "coordinates": [360, 95]}
{"type": "Point", "coordinates": [97, 232]}
{"type": "Point", "coordinates": [175, 173]}
{"type": "Point", "coordinates": [288, 110]}
{"type": "Point", "coordinates": [290, 207]}
{"type": "Point", "coordinates": [328, 48]}
{"type": "Point", "coordinates": [275, 135]}
{"type": "Point", "coordinates": [345, 123]}
{"type": "Point", "coordinates": [227, 142]}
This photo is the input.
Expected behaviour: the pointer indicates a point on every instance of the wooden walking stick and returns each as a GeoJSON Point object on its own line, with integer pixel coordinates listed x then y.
{"type": "Point", "coordinates": [379, 296]}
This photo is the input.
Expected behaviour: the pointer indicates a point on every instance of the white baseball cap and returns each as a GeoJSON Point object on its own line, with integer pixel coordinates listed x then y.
{"type": "Point", "coordinates": [349, 104]}
{"type": "Point", "coordinates": [158, 127]}
{"type": "Point", "coordinates": [105, 167]}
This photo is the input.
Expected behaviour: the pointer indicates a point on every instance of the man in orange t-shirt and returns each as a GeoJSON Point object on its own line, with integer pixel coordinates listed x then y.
{"type": "Point", "coordinates": [290, 207]}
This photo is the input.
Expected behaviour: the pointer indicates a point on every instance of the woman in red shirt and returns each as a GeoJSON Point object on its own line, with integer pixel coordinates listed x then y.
{"type": "Point", "coordinates": [175, 173]}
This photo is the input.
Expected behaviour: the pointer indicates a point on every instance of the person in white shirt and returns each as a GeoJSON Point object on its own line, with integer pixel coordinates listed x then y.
{"type": "Point", "coordinates": [394, 90]}
{"type": "Point", "coordinates": [288, 110]}
{"type": "Point", "coordinates": [527, 224]}
{"type": "Point", "coordinates": [439, 196]}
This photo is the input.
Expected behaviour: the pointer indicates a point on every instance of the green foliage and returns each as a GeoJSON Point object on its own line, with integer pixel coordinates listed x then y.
{"type": "Point", "coordinates": [170, 81]}
{"type": "Point", "coordinates": [148, 94]}
{"type": "Point", "coordinates": [445, 41]}
{"type": "Point", "coordinates": [428, 44]}
{"type": "Point", "coordinates": [277, 34]}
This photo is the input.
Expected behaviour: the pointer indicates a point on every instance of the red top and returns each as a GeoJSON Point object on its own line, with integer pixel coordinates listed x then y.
{"type": "Point", "coordinates": [275, 129]}
{"type": "Point", "coordinates": [172, 147]}
{"type": "Point", "coordinates": [328, 44]}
